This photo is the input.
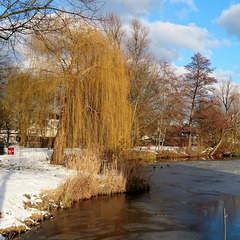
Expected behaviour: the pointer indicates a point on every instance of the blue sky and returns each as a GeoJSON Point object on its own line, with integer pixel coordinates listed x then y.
{"type": "Point", "coordinates": [179, 28]}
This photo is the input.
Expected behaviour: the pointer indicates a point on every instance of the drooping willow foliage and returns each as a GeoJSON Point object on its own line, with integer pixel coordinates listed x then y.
{"type": "Point", "coordinates": [28, 102]}
{"type": "Point", "coordinates": [78, 75]}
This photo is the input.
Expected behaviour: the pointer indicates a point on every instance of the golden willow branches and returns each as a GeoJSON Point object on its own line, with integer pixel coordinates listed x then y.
{"type": "Point", "coordinates": [77, 76]}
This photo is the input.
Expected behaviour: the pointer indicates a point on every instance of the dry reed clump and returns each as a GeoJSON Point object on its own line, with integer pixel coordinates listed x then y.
{"type": "Point", "coordinates": [12, 232]}
{"type": "Point", "coordinates": [87, 161]}
{"type": "Point", "coordinates": [81, 187]}
{"type": "Point", "coordinates": [34, 219]}
{"type": "Point", "coordinates": [15, 231]}
{"type": "Point", "coordinates": [94, 177]}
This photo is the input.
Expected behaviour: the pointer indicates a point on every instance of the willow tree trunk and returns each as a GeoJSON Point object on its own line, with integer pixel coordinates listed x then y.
{"type": "Point", "coordinates": [59, 144]}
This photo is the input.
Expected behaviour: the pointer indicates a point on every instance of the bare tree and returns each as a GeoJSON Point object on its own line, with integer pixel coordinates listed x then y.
{"type": "Point", "coordinates": [113, 26]}
{"type": "Point", "coordinates": [198, 83]}
{"type": "Point", "coordinates": [26, 16]}
{"type": "Point", "coordinates": [228, 95]}
{"type": "Point", "coordinates": [209, 122]}
{"type": "Point", "coordinates": [170, 100]}
{"type": "Point", "coordinates": [143, 72]}
{"type": "Point", "coordinates": [138, 43]}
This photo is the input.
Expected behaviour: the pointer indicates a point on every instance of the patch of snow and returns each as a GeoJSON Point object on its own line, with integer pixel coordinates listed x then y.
{"type": "Point", "coordinates": [152, 148]}
{"type": "Point", "coordinates": [27, 172]}
{"type": "Point", "coordinates": [2, 238]}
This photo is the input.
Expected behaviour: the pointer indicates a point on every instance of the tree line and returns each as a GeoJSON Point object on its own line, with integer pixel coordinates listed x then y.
{"type": "Point", "coordinates": [105, 88]}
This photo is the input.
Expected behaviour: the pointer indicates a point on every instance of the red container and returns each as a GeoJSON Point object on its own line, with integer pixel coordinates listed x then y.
{"type": "Point", "coordinates": [10, 151]}
{"type": "Point", "coordinates": [148, 147]}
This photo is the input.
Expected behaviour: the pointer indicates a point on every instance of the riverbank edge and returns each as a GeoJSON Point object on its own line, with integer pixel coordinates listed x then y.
{"type": "Point", "coordinates": [34, 221]}
{"type": "Point", "coordinates": [143, 156]}
{"type": "Point", "coordinates": [168, 157]}
{"type": "Point", "coordinates": [138, 185]}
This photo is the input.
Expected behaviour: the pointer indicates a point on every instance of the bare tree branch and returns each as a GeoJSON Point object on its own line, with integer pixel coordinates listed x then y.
{"type": "Point", "coordinates": [26, 16]}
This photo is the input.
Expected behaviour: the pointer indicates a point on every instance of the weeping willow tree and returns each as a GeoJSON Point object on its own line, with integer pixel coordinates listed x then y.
{"type": "Point", "coordinates": [92, 89]}
{"type": "Point", "coordinates": [28, 101]}
{"type": "Point", "coordinates": [79, 76]}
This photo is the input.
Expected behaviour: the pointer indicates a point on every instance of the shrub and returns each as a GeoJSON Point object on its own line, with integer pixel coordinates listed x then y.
{"type": "Point", "coordinates": [2, 147]}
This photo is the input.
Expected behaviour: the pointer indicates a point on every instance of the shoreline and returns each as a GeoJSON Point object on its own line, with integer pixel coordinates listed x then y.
{"type": "Point", "coordinates": [200, 182]}
{"type": "Point", "coordinates": [175, 153]}
{"type": "Point", "coordinates": [42, 188]}
{"type": "Point", "coordinates": [26, 173]}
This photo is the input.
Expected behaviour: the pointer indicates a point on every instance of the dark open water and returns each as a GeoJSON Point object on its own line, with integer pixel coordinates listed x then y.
{"type": "Point", "coordinates": [186, 201]}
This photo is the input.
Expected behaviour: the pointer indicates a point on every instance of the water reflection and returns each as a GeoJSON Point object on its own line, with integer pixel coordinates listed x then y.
{"type": "Point", "coordinates": [213, 217]}
{"type": "Point", "coordinates": [186, 201]}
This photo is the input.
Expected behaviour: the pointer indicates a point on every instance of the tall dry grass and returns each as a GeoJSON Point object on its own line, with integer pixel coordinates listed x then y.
{"type": "Point", "coordinates": [84, 160]}
{"type": "Point", "coordinates": [94, 176]}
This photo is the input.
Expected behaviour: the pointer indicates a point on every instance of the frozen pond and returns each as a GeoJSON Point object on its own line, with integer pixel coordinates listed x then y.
{"type": "Point", "coordinates": [186, 201]}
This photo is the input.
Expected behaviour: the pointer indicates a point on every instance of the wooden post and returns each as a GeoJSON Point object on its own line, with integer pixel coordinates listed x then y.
{"type": "Point", "coordinates": [225, 223]}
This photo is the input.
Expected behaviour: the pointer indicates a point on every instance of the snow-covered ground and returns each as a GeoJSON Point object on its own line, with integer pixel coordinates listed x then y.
{"type": "Point", "coordinates": [28, 172]}
{"type": "Point", "coordinates": [152, 148]}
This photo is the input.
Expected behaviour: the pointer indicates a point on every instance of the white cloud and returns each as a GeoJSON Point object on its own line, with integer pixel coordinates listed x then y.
{"type": "Point", "coordinates": [165, 52]}
{"type": "Point", "coordinates": [221, 75]}
{"type": "Point", "coordinates": [229, 20]}
{"type": "Point", "coordinates": [168, 39]}
{"type": "Point", "coordinates": [190, 3]}
{"type": "Point", "coordinates": [180, 70]}
{"type": "Point", "coordinates": [176, 37]}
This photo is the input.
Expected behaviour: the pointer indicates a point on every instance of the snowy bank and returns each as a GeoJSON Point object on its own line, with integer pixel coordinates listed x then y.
{"type": "Point", "coordinates": [26, 173]}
